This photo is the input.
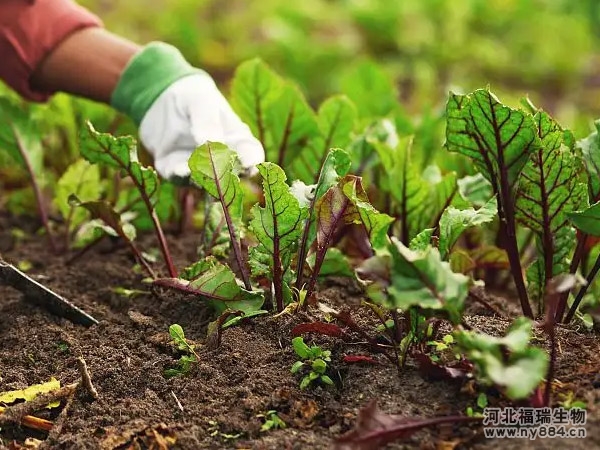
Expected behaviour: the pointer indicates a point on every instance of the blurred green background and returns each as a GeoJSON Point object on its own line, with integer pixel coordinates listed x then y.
{"type": "Point", "coordinates": [544, 48]}
{"type": "Point", "coordinates": [393, 58]}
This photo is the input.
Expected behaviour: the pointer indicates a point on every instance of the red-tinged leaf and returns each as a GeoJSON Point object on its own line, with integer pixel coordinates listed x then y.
{"type": "Point", "coordinates": [355, 359]}
{"type": "Point", "coordinates": [327, 329]}
{"type": "Point", "coordinates": [375, 429]}
{"type": "Point", "coordinates": [434, 371]}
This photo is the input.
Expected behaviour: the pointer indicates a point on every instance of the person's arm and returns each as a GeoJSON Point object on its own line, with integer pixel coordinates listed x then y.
{"type": "Point", "coordinates": [88, 63]}
{"type": "Point", "coordinates": [32, 29]}
{"type": "Point", "coordinates": [48, 46]}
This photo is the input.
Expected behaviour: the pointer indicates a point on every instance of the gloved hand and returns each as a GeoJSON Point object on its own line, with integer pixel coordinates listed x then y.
{"type": "Point", "coordinates": [178, 108]}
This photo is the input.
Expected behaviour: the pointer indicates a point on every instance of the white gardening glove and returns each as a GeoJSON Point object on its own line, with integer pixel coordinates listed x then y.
{"type": "Point", "coordinates": [187, 114]}
{"type": "Point", "coordinates": [179, 108]}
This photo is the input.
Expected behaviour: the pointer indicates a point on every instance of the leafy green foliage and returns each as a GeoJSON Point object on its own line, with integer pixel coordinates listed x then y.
{"type": "Point", "coordinates": [121, 154]}
{"type": "Point", "coordinates": [455, 221]}
{"type": "Point", "coordinates": [215, 282]}
{"type": "Point", "coordinates": [272, 421]}
{"type": "Point", "coordinates": [275, 110]}
{"type": "Point", "coordinates": [508, 362]}
{"type": "Point", "coordinates": [336, 165]}
{"type": "Point", "coordinates": [499, 140]}
{"type": "Point", "coordinates": [402, 278]}
{"type": "Point", "coordinates": [277, 226]}
{"type": "Point", "coordinates": [312, 360]}
{"type": "Point", "coordinates": [549, 189]}
{"type": "Point", "coordinates": [587, 220]}
{"type": "Point", "coordinates": [213, 167]}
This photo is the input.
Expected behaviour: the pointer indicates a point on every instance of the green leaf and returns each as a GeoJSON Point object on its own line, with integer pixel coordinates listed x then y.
{"type": "Point", "coordinates": [408, 188]}
{"type": "Point", "coordinates": [422, 240]}
{"type": "Point", "coordinates": [213, 166]}
{"type": "Point", "coordinates": [550, 187]}
{"type": "Point", "coordinates": [120, 153]}
{"type": "Point", "coordinates": [305, 382]}
{"type": "Point", "coordinates": [30, 392]}
{"type": "Point", "coordinates": [336, 120]}
{"type": "Point", "coordinates": [301, 349]}
{"type": "Point", "coordinates": [253, 89]}
{"type": "Point", "coordinates": [336, 165]}
{"type": "Point", "coordinates": [507, 362]}
{"type": "Point", "coordinates": [475, 189]}
{"type": "Point", "coordinates": [278, 225]}
{"type": "Point", "coordinates": [334, 264]}
{"type": "Point", "coordinates": [216, 282]}
{"type": "Point", "coordinates": [292, 123]}
{"type": "Point", "coordinates": [326, 380]}
{"type": "Point", "coordinates": [482, 401]}
{"type": "Point", "coordinates": [178, 336]}
{"type": "Point", "coordinates": [376, 224]}
{"type": "Point", "coordinates": [104, 211]}
{"type": "Point", "coordinates": [371, 90]}
{"type": "Point", "coordinates": [587, 220]}
{"type": "Point", "coordinates": [297, 366]}
{"type": "Point", "coordinates": [497, 138]}
{"type": "Point", "coordinates": [83, 180]}
{"type": "Point", "coordinates": [455, 221]}
{"type": "Point", "coordinates": [590, 150]}
{"type": "Point", "coordinates": [319, 366]}
{"type": "Point", "coordinates": [416, 279]}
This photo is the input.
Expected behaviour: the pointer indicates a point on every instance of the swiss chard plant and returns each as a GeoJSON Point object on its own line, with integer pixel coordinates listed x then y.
{"type": "Point", "coordinates": [120, 153]}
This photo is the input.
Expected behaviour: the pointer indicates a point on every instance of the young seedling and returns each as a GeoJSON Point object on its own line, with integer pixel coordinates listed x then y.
{"type": "Point", "coordinates": [481, 404]}
{"type": "Point", "coordinates": [313, 360]}
{"type": "Point", "coordinates": [271, 421]}
{"type": "Point", "coordinates": [120, 153]}
{"type": "Point", "coordinates": [188, 357]}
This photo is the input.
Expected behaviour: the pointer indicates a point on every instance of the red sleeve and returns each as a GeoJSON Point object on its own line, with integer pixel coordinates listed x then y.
{"type": "Point", "coordinates": [29, 31]}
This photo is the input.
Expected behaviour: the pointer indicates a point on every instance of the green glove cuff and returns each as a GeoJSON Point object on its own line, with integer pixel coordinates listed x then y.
{"type": "Point", "coordinates": [146, 76]}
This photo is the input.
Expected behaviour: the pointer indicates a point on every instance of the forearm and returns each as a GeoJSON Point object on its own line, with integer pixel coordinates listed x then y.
{"type": "Point", "coordinates": [87, 63]}
{"type": "Point", "coordinates": [55, 45]}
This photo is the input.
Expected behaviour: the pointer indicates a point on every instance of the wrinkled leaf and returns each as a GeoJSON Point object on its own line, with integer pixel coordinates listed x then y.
{"type": "Point", "coordinates": [509, 362]}
{"type": "Point", "coordinates": [277, 226]}
{"type": "Point", "coordinates": [120, 153]}
{"type": "Point", "coordinates": [416, 279]}
{"type": "Point", "coordinates": [550, 187]}
{"type": "Point", "coordinates": [376, 224]}
{"type": "Point", "coordinates": [497, 138]}
{"type": "Point", "coordinates": [455, 221]}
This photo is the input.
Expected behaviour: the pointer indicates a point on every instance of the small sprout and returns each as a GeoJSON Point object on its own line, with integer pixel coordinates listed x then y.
{"type": "Point", "coordinates": [272, 421]}
{"type": "Point", "coordinates": [568, 401]}
{"type": "Point", "coordinates": [189, 357]}
{"type": "Point", "coordinates": [63, 347]}
{"type": "Point", "coordinates": [128, 293]}
{"type": "Point", "coordinates": [314, 358]}
{"type": "Point", "coordinates": [482, 402]}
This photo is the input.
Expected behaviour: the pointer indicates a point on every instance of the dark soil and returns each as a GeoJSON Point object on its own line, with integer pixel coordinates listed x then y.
{"type": "Point", "coordinates": [217, 405]}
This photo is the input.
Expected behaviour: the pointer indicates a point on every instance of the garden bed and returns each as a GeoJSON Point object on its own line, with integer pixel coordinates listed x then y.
{"type": "Point", "coordinates": [218, 405]}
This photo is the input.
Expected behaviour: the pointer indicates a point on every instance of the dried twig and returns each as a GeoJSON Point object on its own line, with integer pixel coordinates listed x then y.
{"type": "Point", "coordinates": [86, 379]}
